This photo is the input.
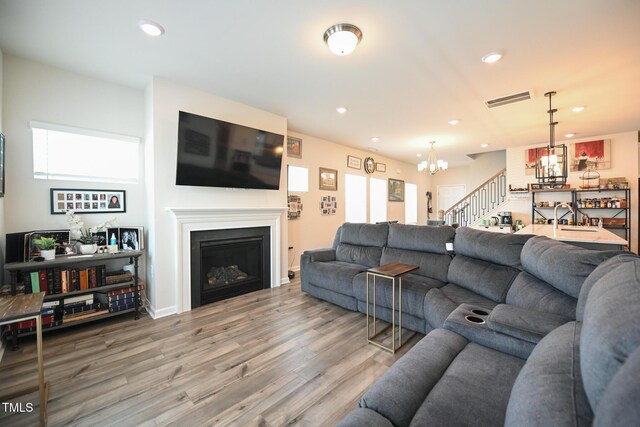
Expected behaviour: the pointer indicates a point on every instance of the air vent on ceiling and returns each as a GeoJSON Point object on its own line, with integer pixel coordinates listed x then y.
{"type": "Point", "coordinates": [509, 99]}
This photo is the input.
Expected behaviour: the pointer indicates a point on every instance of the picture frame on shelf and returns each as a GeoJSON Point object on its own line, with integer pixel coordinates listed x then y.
{"type": "Point", "coordinates": [87, 201]}
{"type": "Point", "coordinates": [294, 147]}
{"type": "Point", "coordinates": [396, 190]}
{"type": "Point", "coordinates": [354, 162]}
{"type": "Point", "coordinates": [381, 167]}
{"type": "Point", "coordinates": [328, 179]}
{"type": "Point", "coordinates": [131, 238]}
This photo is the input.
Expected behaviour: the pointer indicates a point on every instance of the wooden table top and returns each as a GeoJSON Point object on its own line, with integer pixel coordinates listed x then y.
{"type": "Point", "coordinates": [20, 306]}
{"type": "Point", "coordinates": [393, 269]}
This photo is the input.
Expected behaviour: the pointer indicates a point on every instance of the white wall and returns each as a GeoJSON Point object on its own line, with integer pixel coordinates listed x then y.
{"type": "Point", "coordinates": [624, 163]}
{"type": "Point", "coordinates": [314, 230]}
{"type": "Point", "coordinates": [2, 216]}
{"type": "Point", "coordinates": [165, 99]}
{"type": "Point", "coordinates": [34, 91]}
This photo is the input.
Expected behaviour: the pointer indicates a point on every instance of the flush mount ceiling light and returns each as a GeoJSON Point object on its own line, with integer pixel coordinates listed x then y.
{"type": "Point", "coordinates": [151, 28]}
{"type": "Point", "coordinates": [342, 39]}
{"type": "Point", "coordinates": [492, 57]}
{"type": "Point", "coordinates": [375, 139]}
{"type": "Point", "coordinates": [341, 110]}
{"type": "Point", "coordinates": [432, 164]}
{"type": "Point", "coordinates": [484, 145]}
{"type": "Point", "coordinates": [577, 109]}
{"type": "Point", "coordinates": [419, 155]}
{"type": "Point", "coordinates": [453, 122]}
{"type": "Point", "coordinates": [569, 135]}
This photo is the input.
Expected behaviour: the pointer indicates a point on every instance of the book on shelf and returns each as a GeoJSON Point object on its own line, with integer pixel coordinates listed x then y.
{"type": "Point", "coordinates": [84, 315]}
{"type": "Point", "coordinates": [84, 298]}
{"type": "Point", "coordinates": [35, 282]}
{"type": "Point", "coordinates": [69, 311]}
{"type": "Point", "coordinates": [44, 286]}
{"type": "Point", "coordinates": [84, 279]}
{"type": "Point", "coordinates": [51, 304]}
{"type": "Point", "coordinates": [33, 328]}
{"type": "Point", "coordinates": [116, 308]}
{"type": "Point", "coordinates": [124, 290]}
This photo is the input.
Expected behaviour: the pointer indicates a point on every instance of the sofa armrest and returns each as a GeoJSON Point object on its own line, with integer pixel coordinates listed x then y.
{"type": "Point", "coordinates": [471, 322]}
{"type": "Point", "coordinates": [360, 417]}
{"type": "Point", "coordinates": [523, 323]}
{"type": "Point", "coordinates": [319, 255]}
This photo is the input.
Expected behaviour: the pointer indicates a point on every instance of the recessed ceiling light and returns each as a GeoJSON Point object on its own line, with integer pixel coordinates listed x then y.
{"type": "Point", "coordinates": [577, 109]}
{"type": "Point", "coordinates": [418, 155]}
{"type": "Point", "coordinates": [151, 28]}
{"type": "Point", "coordinates": [375, 139]}
{"type": "Point", "coordinates": [342, 39]}
{"type": "Point", "coordinates": [372, 149]}
{"type": "Point", "coordinates": [492, 57]}
{"type": "Point", "coordinates": [453, 122]}
{"type": "Point", "coordinates": [569, 135]}
{"type": "Point", "coordinates": [341, 110]}
{"type": "Point", "coordinates": [484, 145]}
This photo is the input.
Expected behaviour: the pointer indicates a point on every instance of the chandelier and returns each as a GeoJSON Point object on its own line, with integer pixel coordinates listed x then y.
{"type": "Point", "coordinates": [551, 161]}
{"type": "Point", "coordinates": [432, 164]}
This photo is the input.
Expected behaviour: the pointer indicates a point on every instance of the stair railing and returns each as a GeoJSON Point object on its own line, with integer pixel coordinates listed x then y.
{"type": "Point", "coordinates": [482, 200]}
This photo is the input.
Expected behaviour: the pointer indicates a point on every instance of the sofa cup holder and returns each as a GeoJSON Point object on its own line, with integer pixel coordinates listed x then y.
{"type": "Point", "coordinates": [474, 319]}
{"type": "Point", "coordinates": [480, 312]}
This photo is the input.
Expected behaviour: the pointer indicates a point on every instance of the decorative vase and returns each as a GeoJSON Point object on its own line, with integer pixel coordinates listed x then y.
{"type": "Point", "coordinates": [48, 254]}
{"type": "Point", "coordinates": [86, 249]}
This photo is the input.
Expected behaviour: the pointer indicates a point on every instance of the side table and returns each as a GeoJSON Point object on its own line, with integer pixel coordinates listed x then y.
{"type": "Point", "coordinates": [19, 308]}
{"type": "Point", "coordinates": [393, 271]}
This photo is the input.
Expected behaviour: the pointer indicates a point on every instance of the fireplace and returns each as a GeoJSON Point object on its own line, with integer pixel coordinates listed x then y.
{"type": "Point", "coordinates": [229, 262]}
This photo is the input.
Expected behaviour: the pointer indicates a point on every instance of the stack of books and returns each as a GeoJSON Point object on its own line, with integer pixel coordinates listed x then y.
{"type": "Point", "coordinates": [79, 307]}
{"type": "Point", "coordinates": [51, 316]}
{"type": "Point", "coordinates": [120, 299]}
{"type": "Point", "coordinates": [114, 277]}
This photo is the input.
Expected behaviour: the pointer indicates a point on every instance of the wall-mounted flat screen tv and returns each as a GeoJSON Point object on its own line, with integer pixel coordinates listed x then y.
{"type": "Point", "coordinates": [215, 153]}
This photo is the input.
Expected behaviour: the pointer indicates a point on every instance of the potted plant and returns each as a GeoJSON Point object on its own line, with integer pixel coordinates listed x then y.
{"type": "Point", "coordinates": [47, 247]}
{"type": "Point", "coordinates": [87, 241]}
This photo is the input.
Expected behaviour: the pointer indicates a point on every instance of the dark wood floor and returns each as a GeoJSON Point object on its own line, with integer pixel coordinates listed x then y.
{"type": "Point", "coordinates": [271, 358]}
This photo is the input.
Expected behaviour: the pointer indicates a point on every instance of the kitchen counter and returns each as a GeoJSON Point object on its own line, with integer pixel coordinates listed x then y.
{"type": "Point", "coordinates": [587, 237]}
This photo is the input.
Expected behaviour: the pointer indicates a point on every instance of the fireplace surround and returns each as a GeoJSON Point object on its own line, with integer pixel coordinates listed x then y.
{"type": "Point", "coordinates": [220, 218]}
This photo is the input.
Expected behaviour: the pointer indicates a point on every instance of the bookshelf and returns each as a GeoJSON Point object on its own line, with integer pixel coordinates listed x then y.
{"type": "Point", "coordinates": [79, 288]}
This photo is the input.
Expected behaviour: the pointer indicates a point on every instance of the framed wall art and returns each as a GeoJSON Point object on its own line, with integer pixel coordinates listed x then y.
{"type": "Point", "coordinates": [87, 201]}
{"type": "Point", "coordinates": [294, 147]}
{"type": "Point", "coordinates": [396, 190]}
{"type": "Point", "coordinates": [381, 167]}
{"type": "Point", "coordinates": [328, 179]}
{"type": "Point", "coordinates": [594, 155]}
{"type": "Point", "coordinates": [354, 162]}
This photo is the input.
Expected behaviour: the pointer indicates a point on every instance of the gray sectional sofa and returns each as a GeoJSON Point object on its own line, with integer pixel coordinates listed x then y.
{"type": "Point", "coordinates": [552, 326]}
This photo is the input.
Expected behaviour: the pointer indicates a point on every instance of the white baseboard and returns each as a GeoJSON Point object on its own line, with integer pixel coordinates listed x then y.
{"type": "Point", "coordinates": [284, 280]}
{"type": "Point", "coordinates": [163, 312]}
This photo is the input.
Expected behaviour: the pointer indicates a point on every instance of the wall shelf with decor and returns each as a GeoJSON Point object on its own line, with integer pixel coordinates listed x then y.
{"type": "Point", "coordinates": [544, 201]}
{"type": "Point", "coordinates": [613, 207]}
{"type": "Point", "coordinates": [78, 288]}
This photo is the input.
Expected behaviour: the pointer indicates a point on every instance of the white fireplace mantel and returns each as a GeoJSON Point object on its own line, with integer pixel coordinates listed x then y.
{"type": "Point", "coordinates": [220, 218]}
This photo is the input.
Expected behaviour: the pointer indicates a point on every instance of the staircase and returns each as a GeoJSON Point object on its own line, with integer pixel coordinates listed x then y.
{"type": "Point", "coordinates": [479, 202]}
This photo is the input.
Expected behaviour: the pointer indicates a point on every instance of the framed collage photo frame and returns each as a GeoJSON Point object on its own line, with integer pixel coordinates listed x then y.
{"type": "Point", "coordinates": [87, 201]}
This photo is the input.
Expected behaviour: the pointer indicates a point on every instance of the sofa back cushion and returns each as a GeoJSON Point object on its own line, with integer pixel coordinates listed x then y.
{"type": "Point", "coordinates": [361, 243]}
{"type": "Point", "coordinates": [431, 265]}
{"type": "Point", "coordinates": [421, 238]}
{"type": "Point", "coordinates": [502, 249]}
{"type": "Point", "coordinates": [596, 275]}
{"type": "Point", "coordinates": [610, 331]}
{"type": "Point", "coordinates": [527, 291]}
{"type": "Point", "coordinates": [482, 277]}
{"type": "Point", "coordinates": [563, 266]}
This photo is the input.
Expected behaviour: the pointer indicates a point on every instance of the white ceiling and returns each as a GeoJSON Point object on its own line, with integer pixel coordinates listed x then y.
{"type": "Point", "coordinates": [417, 67]}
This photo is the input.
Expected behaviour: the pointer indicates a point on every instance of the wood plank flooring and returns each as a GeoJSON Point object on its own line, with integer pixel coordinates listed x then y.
{"type": "Point", "coordinates": [270, 358]}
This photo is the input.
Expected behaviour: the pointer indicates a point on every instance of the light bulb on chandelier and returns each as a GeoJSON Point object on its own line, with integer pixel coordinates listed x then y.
{"type": "Point", "coordinates": [432, 164]}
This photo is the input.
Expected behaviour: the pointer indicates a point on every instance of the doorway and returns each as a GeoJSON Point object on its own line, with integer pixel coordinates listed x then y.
{"type": "Point", "coordinates": [449, 195]}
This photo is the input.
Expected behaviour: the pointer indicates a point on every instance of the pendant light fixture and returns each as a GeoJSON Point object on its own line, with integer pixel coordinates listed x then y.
{"type": "Point", "coordinates": [551, 161]}
{"type": "Point", "coordinates": [432, 164]}
{"type": "Point", "coordinates": [342, 39]}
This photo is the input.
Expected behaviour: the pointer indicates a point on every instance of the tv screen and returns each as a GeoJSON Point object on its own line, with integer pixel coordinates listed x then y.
{"type": "Point", "coordinates": [215, 153]}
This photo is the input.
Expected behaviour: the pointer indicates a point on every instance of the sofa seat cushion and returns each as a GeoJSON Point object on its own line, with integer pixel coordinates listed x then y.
{"type": "Point", "coordinates": [414, 289]}
{"type": "Point", "coordinates": [528, 325]}
{"type": "Point", "coordinates": [361, 417]}
{"type": "Point", "coordinates": [549, 390]}
{"type": "Point", "coordinates": [619, 404]}
{"type": "Point", "coordinates": [334, 275]}
{"type": "Point", "coordinates": [440, 303]}
{"type": "Point", "coordinates": [368, 256]}
{"type": "Point", "coordinates": [474, 390]}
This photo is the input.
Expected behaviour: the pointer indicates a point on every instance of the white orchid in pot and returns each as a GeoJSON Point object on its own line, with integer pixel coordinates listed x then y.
{"type": "Point", "coordinates": [86, 238]}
